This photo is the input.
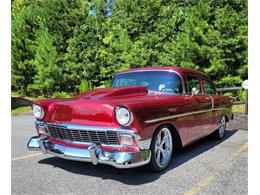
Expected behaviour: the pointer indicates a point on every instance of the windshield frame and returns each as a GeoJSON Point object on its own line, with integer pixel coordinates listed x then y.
{"type": "Point", "coordinates": [156, 92]}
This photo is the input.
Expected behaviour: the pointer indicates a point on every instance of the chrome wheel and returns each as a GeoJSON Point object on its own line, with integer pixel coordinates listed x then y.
{"type": "Point", "coordinates": [163, 147]}
{"type": "Point", "coordinates": [222, 127]}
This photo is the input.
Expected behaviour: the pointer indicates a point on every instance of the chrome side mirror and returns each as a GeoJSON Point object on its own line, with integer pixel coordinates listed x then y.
{"type": "Point", "coordinates": [194, 91]}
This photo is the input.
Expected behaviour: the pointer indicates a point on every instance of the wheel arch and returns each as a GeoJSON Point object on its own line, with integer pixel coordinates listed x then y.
{"type": "Point", "coordinates": [226, 117]}
{"type": "Point", "coordinates": [177, 145]}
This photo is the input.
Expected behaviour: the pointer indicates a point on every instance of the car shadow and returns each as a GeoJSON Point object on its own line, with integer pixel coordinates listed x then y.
{"type": "Point", "coordinates": [139, 175]}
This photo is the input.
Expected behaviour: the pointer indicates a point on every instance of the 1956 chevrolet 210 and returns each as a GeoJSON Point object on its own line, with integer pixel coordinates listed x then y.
{"type": "Point", "coordinates": [145, 115]}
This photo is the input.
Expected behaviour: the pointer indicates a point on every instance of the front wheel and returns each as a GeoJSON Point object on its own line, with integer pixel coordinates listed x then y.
{"type": "Point", "coordinates": [161, 149]}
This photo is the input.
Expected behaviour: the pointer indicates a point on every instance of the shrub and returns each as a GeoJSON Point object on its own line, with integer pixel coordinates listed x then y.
{"type": "Point", "coordinates": [61, 95]}
{"type": "Point", "coordinates": [84, 86]}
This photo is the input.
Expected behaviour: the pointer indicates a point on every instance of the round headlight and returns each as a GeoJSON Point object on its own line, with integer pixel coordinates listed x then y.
{"type": "Point", "coordinates": [123, 116]}
{"type": "Point", "coordinates": [38, 112]}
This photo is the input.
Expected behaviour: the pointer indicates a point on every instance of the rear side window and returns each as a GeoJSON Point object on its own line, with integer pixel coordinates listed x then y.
{"type": "Point", "coordinates": [192, 82]}
{"type": "Point", "coordinates": [209, 89]}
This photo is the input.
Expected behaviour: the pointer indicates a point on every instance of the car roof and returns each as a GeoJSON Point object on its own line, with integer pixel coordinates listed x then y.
{"type": "Point", "coordinates": [179, 70]}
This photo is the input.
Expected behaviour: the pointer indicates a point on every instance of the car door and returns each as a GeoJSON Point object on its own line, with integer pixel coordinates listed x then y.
{"type": "Point", "coordinates": [199, 107]}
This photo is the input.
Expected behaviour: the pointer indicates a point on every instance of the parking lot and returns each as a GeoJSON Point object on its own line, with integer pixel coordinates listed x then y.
{"type": "Point", "coordinates": [206, 167]}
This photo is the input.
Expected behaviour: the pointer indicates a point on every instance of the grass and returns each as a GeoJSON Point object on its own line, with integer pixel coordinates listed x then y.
{"type": "Point", "coordinates": [20, 104]}
{"type": "Point", "coordinates": [20, 110]}
{"type": "Point", "coordinates": [238, 108]}
{"type": "Point", "coordinates": [17, 95]}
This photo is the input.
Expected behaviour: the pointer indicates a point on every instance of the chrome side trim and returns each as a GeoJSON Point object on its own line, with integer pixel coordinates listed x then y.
{"type": "Point", "coordinates": [212, 102]}
{"type": "Point", "coordinates": [182, 115]}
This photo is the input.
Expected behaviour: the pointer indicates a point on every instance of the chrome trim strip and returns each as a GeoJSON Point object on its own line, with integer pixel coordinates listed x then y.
{"type": "Point", "coordinates": [86, 127]}
{"type": "Point", "coordinates": [212, 102]}
{"type": "Point", "coordinates": [182, 115]}
{"type": "Point", "coordinates": [182, 79]}
{"type": "Point", "coordinates": [130, 71]}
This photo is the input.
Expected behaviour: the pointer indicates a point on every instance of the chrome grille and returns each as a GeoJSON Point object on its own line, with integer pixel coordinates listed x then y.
{"type": "Point", "coordinates": [86, 136]}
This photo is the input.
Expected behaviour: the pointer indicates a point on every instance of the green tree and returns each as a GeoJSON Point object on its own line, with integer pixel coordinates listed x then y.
{"type": "Point", "coordinates": [48, 77]}
{"type": "Point", "coordinates": [24, 27]}
{"type": "Point", "coordinates": [213, 38]}
{"type": "Point", "coordinates": [231, 22]}
{"type": "Point", "coordinates": [58, 44]}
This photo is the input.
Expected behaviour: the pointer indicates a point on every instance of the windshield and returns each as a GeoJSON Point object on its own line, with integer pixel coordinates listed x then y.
{"type": "Point", "coordinates": [156, 81]}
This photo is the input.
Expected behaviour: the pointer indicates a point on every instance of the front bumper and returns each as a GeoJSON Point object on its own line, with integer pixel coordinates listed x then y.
{"type": "Point", "coordinates": [94, 153]}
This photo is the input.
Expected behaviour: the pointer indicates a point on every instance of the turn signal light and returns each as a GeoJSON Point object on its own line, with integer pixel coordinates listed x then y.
{"type": "Point", "coordinates": [126, 140]}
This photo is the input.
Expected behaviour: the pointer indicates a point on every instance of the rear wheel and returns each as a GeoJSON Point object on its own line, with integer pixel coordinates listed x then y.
{"type": "Point", "coordinates": [219, 134]}
{"type": "Point", "coordinates": [161, 149]}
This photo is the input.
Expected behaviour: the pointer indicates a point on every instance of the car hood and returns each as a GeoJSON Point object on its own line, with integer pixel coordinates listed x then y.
{"type": "Point", "coordinates": [92, 108]}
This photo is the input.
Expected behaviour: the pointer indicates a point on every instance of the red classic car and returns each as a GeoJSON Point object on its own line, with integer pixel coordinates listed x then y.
{"type": "Point", "coordinates": [145, 115]}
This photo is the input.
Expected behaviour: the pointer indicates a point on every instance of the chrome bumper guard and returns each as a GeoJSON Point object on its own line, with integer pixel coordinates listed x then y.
{"type": "Point", "coordinates": [93, 153]}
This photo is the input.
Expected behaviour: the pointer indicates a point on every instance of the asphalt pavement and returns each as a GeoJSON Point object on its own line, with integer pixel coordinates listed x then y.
{"type": "Point", "coordinates": [206, 167]}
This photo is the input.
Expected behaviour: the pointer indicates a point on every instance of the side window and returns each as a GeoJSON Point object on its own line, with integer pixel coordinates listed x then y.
{"type": "Point", "coordinates": [192, 82]}
{"type": "Point", "coordinates": [208, 88]}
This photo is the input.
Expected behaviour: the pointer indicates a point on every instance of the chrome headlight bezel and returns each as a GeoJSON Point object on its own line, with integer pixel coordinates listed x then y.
{"type": "Point", "coordinates": [123, 116]}
{"type": "Point", "coordinates": [38, 111]}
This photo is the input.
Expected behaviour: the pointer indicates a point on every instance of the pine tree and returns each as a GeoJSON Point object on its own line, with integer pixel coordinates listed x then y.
{"type": "Point", "coordinates": [48, 76]}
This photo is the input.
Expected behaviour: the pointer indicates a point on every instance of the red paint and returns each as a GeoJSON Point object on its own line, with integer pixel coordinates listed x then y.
{"type": "Point", "coordinates": [97, 108]}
